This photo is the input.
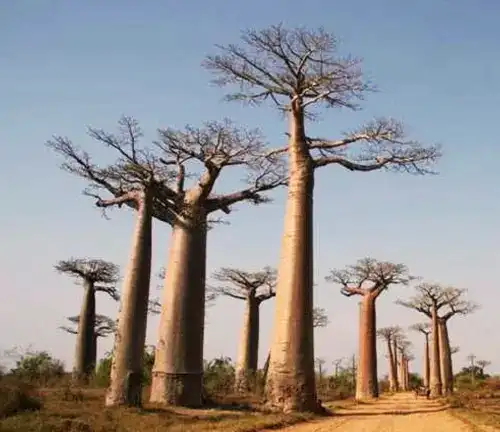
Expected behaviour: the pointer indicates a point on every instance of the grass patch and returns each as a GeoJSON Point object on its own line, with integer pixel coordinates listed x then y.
{"type": "Point", "coordinates": [476, 408]}
{"type": "Point", "coordinates": [87, 414]}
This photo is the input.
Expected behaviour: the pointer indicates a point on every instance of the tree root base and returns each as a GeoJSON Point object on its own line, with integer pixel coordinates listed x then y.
{"type": "Point", "coordinates": [177, 389]}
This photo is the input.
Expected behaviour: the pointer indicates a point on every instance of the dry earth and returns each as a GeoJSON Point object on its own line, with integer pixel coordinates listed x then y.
{"type": "Point", "coordinates": [398, 413]}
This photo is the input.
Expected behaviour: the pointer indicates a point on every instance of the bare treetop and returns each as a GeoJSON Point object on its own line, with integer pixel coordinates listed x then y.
{"type": "Point", "coordinates": [102, 275]}
{"type": "Point", "coordinates": [242, 285]}
{"type": "Point", "coordinates": [424, 328]}
{"type": "Point", "coordinates": [103, 327]}
{"type": "Point", "coordinates": [320, 318]}
{"type": "Point", "coordinates": [483, 363]}
{"type": "Point", "coordinates": [454, 349]}
{"type": "Point", "coordinates": [369, 277]}
{"type": "Point", "coordinates": [389, 333]}
{"type": "Point", "coordinates": [439, 296]}
{"type": "Point", "coordinates": [165, 168]}
{"type": "Point", "coordinates": [298, 69]}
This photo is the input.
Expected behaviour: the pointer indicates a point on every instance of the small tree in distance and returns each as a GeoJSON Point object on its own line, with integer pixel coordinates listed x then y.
{"type": "Point", "coordinates": [95, 275]}
{"type": "Point", "coordinates": [253, 288]}
{"type": "Point", "coordinates": [298, 70]}
{"type": "Point", "coordinates": [389, 334]}
{"type": "Point", "coordinates": [424, 328]}
{"type": "Point", "coordinates": [368, 278]}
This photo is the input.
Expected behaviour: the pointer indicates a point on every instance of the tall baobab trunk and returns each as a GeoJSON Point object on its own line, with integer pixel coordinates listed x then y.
{"type": "Point", "coordinates": [177, 376]}
{"type": "Point", "coordinates": [85, 336]}
{"type": "Point", "coordinates": [94, 351]}
{"type": "Point", "coordinates": [367, 382]}
{"type": "Point", "coordinates": [407, 373]}
{"type": "Point", "coordinates": [396, 368]}
{"type": "Point", "coordinates": [426, 361]}
{"type": "Point", "coordinates": [445, 359]}
{"type": "Point", "coordinates": [435, 369]}
{"type": "Point", "coordinates": [393, 380]}
{"type": "Point", "coordinates": [246, 366]}
{"type": "Point", "coordinates": [291, 383]}
{"type": "Point", "coordinates": [402, 373]}
{"type": "Point", "coordinates": [130, 336]}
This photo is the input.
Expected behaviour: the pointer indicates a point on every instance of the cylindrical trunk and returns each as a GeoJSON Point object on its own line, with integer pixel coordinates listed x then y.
{"type": "Point", "coordinates": [407, 374]}
{"type": "Point", "coordinates": [130, 337]}
{"type": "Point", "coordinates": [367, 383]}
{"type": "Point", "coordinates": [94, 351]}
{"type": "Point", "coordinates": [402, 373]}
{"type": "Point", "coordinates": [396, 365]}
{"type": "Point", "coordinates": [392, 368]}
{"type": "Point", "coordinates": [445, 359]}
{"type": "Point", "coordinates": [291, 383]}
{"type": "Point", "coordinates": [426, 362]}
{"type": "Point", "coordinates": [85, 336]}
{"type": "Point", "coordinates": [435, 378]}
{"type": "Point", "coordinates": [177, 377]}
{"type": "Point", "coordinates": [246, 365]}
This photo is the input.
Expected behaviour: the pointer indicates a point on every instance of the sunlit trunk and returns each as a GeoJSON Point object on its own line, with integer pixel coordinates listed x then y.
{"type": "Point", "coordinates": [367, 383]}
{"type": "Point", "coordinates": [435, 377]}
{"type": "Point", "coordinates": [290, 384]}
{"type": "Point", "coordinates": [392, 368]}
{"type": "Point", "coordinates": [396, 366]}
{"type": "Point", "coordinates": [407, 374]}
{"type": "Point", "coordinates": [177, 375]}
{"type": "Point", "coordinates": [445, 359]}
{"type": "Point", "coordinates": [126, 371]}
{"type": "Point", "coordinates": [402, 373]}
{"type": "Point", "coordinates": [426, 362]}
{"type": "Point", "coordinates": [246, 366]}
{"type": "Point", "coordinates": [84, 339]}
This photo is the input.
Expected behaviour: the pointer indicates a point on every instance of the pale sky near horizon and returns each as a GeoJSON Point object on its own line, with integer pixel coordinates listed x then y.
{"type": "Point", "coordinates": [69, 64]}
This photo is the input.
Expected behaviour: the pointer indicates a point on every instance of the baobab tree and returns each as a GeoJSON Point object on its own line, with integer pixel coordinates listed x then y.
{"type": "Point", "coordinates": [299, 70]}
{"type": "Point", "coordinates": [178, 368]}
{"type": "Point", "coordinates": [430, 301]}
{"type": "Point", "coordinates": [253, 288]}
{"type": "Point", "coordinates": [403, 346]}
{"type": "Point", "coordinates": [424, 328]}
{"type": "Point", "coordinates": [95, 275]}
{"type": "Point", "coordinates": [482, 365]}
{"type": "Point", "coordinates": [388, 334]}
{"type": "Point", "coordinates": [368, 278]}
{"type": "Point", "coordinates": [103, 327]}
{"type": "Point", "coordinates": [153, 181]}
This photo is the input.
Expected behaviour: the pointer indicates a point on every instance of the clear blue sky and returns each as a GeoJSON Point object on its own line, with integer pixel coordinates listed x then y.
{"type": "Point", "coordinates": [68, 64]}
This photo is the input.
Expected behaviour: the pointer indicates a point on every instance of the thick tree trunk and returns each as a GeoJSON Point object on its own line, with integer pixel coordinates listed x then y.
{"type": "Point", "coordinates": [402, 374]}
{"type": "Point", "coordinates": [426, 362]}
{"type": "Point", "coordinates": [367, 382]}
{"type": "Point", "coordinates": [130, 336]}
{"type": "Point", "coordinates": [435, 378]}
{"type": "Point", "coordinates": [94, 351]}
{"type": "Point", "coordinates": [177, 377]}
{"type": "Point", "coordinates": [290, 383]}
{"type": "Point", "coordinates": [445, 359]}
{"type": "Point", "coordinates": [85, 336]}
{"type": "Point", "coordinates": [407, 374]}
{"type": "Point", "coordinates": [246, 366]}
{"type": "Point", "coordinates": [392, 368]}
{"type": "Point", "coordinates": [396, 368]}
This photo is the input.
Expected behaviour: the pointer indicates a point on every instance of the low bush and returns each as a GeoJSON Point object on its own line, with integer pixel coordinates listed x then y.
{"type": "Point", "coordinates": [16, 398]}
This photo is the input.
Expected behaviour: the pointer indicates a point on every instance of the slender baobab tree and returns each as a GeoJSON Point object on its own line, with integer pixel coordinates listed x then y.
{"type": "Point", "coordinates": [388, 334]}
{"type": "Point", "coordinates": [482, 365]}
{"type": "Point", "coordinates": [299, 70]}
{"type": "Point", "coordinates": [440, 303]}
{"type": "Point", "coordinates": [425, 329]}
{"type": "Point", "coordinates": [178, 368]}
{"type": "Point", "coordinates": [368, 278]}
{"type": "Point", "coordinates": [103, 327]}
{"type": "Point", "coordinates": [95, 275]}
{"type": "Point", "coordinates": [253, 288]}
{"type": "Point", "coordinates": [153, 181]}
{"type": "Point", "coordinates": [403, 346]}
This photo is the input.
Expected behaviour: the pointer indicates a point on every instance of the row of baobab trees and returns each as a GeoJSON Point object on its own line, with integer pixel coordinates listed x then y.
{"type": "Point", "coordinates": [173, 180]}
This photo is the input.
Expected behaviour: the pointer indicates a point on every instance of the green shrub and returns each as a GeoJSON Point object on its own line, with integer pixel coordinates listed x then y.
{"type": "Point", "coordinates": [38, 368]}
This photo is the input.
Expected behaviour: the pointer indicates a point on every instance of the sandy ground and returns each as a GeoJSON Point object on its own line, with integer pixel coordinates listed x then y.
{"type": "Point", "coordinates": [399, 413]}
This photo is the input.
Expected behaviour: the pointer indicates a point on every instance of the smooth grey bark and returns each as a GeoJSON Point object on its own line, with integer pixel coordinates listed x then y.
{"type": "Point", "coordinates": [177, 375]}
{"type": "Point", "coordinates": [246, 365]}
{"type": "Point", "coordinates": [130, 336]}
{"type": "Point", "coordinates": [367, 382]}
{"type": "Point", "coordinates": [290, 384]}
{"type": "Point", "coordinates": [445, 358]}
{"type": "Point", "coordinates": [83, 367]}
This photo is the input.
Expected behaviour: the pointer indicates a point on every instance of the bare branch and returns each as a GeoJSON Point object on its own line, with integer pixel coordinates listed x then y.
{"type": "Point", "coordinates": [424, 328]}
{"type": "Point", "coordinates": [369, 276]}
{"type": "Point", "coordinates": [320, 317]}
{"type": "Point", "coordinates": [389, 333]}
{"type": "Point", "coordinates": [243, 285]}
{"type": "Point", "coordinates": [93, 271]}
{"type": "Point", "coordinates": [103, 326]}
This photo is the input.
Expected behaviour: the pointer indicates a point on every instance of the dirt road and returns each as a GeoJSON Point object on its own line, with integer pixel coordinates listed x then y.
{"type": "Point", "coordinates": [399, 413]}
